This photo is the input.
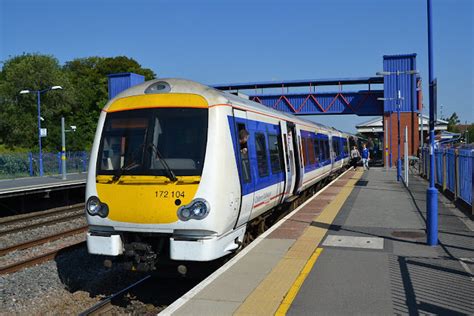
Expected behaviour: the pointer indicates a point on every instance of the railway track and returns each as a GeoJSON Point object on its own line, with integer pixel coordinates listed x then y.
{"type": "Point", "coordinates": [17, 266]}
{"type": "Point", "coordinates": [37, 215]}
{"type": "Point", "coordinates": [40, 241]}
{"type": "Point", "coordinates": [74, 214]}
{"type": "Point", "coordinates": [107, 304]}
{"type": "Point", "coordinates": [32, 221]}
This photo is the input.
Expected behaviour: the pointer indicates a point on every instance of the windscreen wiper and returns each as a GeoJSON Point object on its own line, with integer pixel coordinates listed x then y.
{"type": "Point", "coordinates": [170, 172]}
{"type": "Point", "coordinates": [120, 172]}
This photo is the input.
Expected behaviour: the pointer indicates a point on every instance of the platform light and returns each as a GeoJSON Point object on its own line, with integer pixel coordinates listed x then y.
{"type": "Point", "coordinates": [38, 93]}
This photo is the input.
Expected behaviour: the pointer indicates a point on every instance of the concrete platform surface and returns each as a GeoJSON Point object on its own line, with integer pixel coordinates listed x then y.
{"type": "Point", "coordinates": [24, 185]}
{"type": "Point", "coordinates": [357, 247]}
{"type": "Point", "coordinates": [406, 276]}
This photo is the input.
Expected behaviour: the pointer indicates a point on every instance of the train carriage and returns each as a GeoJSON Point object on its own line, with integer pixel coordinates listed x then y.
{"type": "Point", "coordinates": [179, 169]}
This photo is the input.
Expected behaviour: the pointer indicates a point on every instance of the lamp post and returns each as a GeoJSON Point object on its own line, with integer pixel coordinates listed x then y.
{"type": "Point", "coordinates": [398, 98]}
{"type": "Point", "coordinates": [63, 146]}
{"type": "Point", "coordinates": [431, 192]}
{"type": "Point", "coordinates": [38, 94]}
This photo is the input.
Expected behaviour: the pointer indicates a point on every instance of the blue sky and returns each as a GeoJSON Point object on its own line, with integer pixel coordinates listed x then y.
{"type": "Point", "coordinates": [239, 41]}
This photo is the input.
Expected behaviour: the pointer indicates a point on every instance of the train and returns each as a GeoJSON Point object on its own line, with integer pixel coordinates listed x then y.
{"type": "Point", "coordinates": [179, 170]}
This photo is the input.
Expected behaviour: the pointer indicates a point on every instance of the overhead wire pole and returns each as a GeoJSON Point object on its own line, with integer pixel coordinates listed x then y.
{"type": "Point", "coordinates": [431, 192]}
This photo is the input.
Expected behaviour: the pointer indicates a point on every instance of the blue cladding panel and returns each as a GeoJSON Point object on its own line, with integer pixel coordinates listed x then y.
{"type": "Point", "coordinates": [360, 102]}
{"type": "Point", "coordinates": [123, 81]}
{"type": "Point", "coordinates": [407, 83]}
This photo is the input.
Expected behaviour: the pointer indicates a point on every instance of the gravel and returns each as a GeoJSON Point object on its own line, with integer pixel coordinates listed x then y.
{"type": "Point", "coordinates": [71, 283]}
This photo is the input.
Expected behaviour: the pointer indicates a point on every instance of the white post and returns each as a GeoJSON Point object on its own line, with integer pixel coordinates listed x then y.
{"type": "Point", "coordinates": [406, 155]}
{"type": "Point", "coordinates": [63, 149]}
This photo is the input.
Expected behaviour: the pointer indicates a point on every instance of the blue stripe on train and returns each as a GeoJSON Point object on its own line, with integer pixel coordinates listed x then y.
{"type": "Point", "coordinates": [320, 162]}
{"type": "Point", "coordinates": [258, 183]}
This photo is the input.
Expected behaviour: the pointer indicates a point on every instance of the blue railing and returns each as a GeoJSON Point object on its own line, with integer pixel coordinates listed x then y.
{"type": "Point", "coordinates": [453, 171]}
{"type": "Point", "coordinates": [17, 165]}
{"type": "Point", "coordinates": [466, 162]}
{"type": "Point", "coordinates": [439, 166]}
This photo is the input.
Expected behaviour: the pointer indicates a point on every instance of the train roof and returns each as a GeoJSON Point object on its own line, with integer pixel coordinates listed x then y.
{"type": "Point", "coordinates": [214, 96]}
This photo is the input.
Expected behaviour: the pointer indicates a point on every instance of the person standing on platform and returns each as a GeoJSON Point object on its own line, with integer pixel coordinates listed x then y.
{"type": "Point", "coordinates": [365, 157]}
{"type": "Point", "coordinates": [355, 156]}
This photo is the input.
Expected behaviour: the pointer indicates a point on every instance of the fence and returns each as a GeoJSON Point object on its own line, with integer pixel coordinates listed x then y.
{"type": "Point", "coordinates": [454, 171]}
{"type": "Point", "coordinates": [16, 165]}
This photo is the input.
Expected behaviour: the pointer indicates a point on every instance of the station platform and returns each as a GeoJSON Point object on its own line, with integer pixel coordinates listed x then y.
{"type": "Point", "coordinates": [31, 185]}
{"type": "Point", "coordinates": [356, 247]}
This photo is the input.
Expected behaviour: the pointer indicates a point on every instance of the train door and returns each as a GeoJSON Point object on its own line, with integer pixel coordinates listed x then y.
{"type": "Point", "coordinates": [243, 146]}
{"type": "Point", "coordinates": [296, 142]}
{"type": "Point", "coordinates": [332, 153]}
{"type": "Point", "coordinates": [289, 160]}
{"type": "Point", "coordinates": [299, 159]}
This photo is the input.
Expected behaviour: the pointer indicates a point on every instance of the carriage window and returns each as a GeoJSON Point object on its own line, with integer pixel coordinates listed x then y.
{"type": "Point", "coordinates": [261, 150]}
{"type": "Point", "coordinates": [326, 149]}
{"type": "Point", "coordinates": [244, 155]}
{"type": "Point", "coordinates": [316, 149]}
{"type": "Point", "coordinates": [303, 151]}
{"type": "Point", "coordinates": [311, 157]}
{"type": "Point", "coordinates": [335, 147]}
{"type": "Point", "coordinates": [274, 146]}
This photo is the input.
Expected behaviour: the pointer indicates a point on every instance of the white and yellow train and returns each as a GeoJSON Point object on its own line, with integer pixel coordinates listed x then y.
{"type": "Point", "coordinates": [179, 169]}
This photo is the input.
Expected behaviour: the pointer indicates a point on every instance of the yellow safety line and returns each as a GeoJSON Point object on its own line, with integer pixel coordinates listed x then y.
{"type": "Point", "coordinates": [295, 288]}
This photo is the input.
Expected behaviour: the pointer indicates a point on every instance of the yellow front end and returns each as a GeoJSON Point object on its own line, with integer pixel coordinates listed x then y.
{"type": "Point", "coordinates": [146, 199]}
{"type": "Point", "coordinates": [150, 156]}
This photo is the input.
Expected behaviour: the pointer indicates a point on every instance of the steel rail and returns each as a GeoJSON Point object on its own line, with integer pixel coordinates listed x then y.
{"type": "Point", "coordinates": [43, 213]}
{"type": "Point", "coordinates": [106, 304]}
{"type": "Point", "coordinates": [40, 241]}
{"type": "Point", "coordinates": [45, 223]}
{"type": "Point", "coordinates": [14, 267]}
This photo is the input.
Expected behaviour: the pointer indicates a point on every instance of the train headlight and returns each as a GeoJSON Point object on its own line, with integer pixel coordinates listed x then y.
{"type": "Point", "coordinates": [95, 207]}
{"type": "Point", "coordinates": [197, 209]}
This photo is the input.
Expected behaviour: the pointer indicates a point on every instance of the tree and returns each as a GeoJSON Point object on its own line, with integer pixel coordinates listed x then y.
{"type": "Point", "coordinates": [89, 76]}
{"type": "Point", "coordinates": [84, 94]}
{"type": "Point", "coordinates": [453, 120]}
{"type": "Point", "coordinates": [18, 113]}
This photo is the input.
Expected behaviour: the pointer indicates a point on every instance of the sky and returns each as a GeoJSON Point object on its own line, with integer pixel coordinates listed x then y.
{"type": "Point", "coordinates": [241, 41]}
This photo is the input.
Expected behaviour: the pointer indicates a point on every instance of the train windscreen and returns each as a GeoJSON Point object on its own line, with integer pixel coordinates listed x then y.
{"type": "Point", "coordinates": [158, 141]}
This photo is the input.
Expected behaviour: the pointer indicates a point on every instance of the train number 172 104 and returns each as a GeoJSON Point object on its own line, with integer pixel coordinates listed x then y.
{"type": "Point", "coordinates": [169, 194]}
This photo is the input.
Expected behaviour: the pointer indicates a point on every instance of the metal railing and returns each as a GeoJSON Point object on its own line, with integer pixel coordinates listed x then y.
{"type": "Point", "coordinates": [453, 171]}
{"type": "Point", "coordinates": [18, 165]}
